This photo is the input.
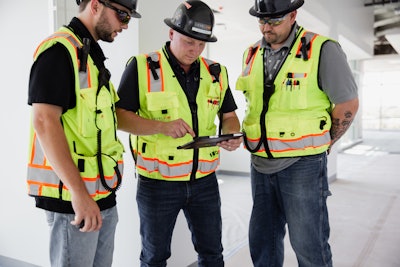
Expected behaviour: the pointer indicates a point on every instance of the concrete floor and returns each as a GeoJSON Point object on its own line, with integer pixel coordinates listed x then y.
{"type": "Point", "coordinates": [364, 208]}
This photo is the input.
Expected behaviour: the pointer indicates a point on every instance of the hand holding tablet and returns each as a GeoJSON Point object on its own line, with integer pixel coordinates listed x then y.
{"type": "Point", "coordinates": [206, 141]}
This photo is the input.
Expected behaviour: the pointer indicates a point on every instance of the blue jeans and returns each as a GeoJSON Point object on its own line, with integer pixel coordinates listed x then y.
{"type": "Point", "coordinates": [159, 203]}
{"type": "Point", "coordinates": [71, 248]}
{"type": "Point", "coordinates": [295, 196]}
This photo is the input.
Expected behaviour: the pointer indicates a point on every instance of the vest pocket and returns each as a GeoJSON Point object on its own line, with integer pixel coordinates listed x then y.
{"type": "Point", "coordinates": [161, 157]}
{"type": "Point", "coordinates": [215, 90]}
{"type": "Point", "coordinates": [163, 106]}
{"type": "Point", "coordinates": [96, 112]}
{"type": "Point", "coordinates": [292, 94]}
{"type": "Point", "coordinates": [243, 84]}
{"type": "Point", "coordinates": [283, 128]}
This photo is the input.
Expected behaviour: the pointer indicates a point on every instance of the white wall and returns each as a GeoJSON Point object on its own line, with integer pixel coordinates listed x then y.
{"type": "Point", "coordinates": [23, 227]}
{"type": "Point", "coordinates": [23, 231]}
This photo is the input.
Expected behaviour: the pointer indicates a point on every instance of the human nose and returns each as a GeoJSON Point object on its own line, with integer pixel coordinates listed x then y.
{"type": "Point", "coordinates": [124, 26]}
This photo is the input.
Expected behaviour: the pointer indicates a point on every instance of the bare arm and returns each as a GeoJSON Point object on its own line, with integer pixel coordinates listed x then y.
{"type": "Point", "coordinates": [342, 116]}
{"type": "Point", "coordinates": [230, 124]}
{"type": "Point", "coordinates": [46, 122]}
{"type": "Point", "coordinates": [130, 122]}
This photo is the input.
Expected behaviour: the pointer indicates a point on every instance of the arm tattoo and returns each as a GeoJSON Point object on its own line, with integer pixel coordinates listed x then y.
{"type": "Point", "coordinates": [339, 127]}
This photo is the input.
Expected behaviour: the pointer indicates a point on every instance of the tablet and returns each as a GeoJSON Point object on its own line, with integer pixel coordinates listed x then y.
{"type": "Point", "coordinates": [205, 141]}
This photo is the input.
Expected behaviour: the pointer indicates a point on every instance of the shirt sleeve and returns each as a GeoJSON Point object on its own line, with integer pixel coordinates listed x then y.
{"type": "Point", "coordinates": [52, 79]}
{"type": "Point", "coordinates": [128, 90]}
{"type": "Point", "coordinates": [335, 76]}
{"type": "Point", "coordinates": [229, 104]}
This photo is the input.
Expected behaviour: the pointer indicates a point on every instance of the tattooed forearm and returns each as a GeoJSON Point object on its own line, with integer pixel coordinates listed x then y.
{"type": "Point", "coordinates": [342, 116]}
{"type": "Point", "coordinates": [340, 125]}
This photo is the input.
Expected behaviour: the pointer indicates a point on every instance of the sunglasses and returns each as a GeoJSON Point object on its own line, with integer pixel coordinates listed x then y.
{"type": "Point", "coordinates": [272, 21]}
{"type": "Point", "coordinates": [123, 16]}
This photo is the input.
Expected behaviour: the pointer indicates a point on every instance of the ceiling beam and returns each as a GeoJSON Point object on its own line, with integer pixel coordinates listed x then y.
{"type": "Point", "coordinates": [379, 2]}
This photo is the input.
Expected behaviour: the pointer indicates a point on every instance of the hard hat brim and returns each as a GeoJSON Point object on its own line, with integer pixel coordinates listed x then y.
{"type": "Point", "coordinates": [135, 14]}
{"type": "Point", "coordinates": [293, 6]}
{"type": "Point", "coordinates": [212, 38]}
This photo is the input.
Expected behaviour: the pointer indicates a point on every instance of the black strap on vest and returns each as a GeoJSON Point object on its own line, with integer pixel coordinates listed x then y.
{"type": "Point", "coordinates": [153, 66]}
{"type": "Point", "coordinates": [269, 89]}
{"type": "Point", "coordinates": [83, 54]}
{"type": "Point", "coordinates": [304, 48]}
{"type": "Point", "coordinates": [250, 54]}
{"type": "Point", "coordinates": [215, 71]}
{"type": "Point", "coordinates": [104, 80]}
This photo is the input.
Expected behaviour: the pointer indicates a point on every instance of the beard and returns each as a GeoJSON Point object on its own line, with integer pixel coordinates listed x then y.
{"type": "Point", "coordinates": [270, 37]}
{"type": "Point", "coordinates": [103, 30]}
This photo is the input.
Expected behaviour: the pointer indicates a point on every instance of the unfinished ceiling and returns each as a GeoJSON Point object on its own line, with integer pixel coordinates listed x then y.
{"type": "Point", "coordinates": [386, 26]}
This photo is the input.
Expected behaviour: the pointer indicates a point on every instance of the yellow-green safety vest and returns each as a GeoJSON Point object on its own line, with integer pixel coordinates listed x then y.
{"type": "Point", "coordinates": [162, 98]}
{"type": "Point", "coordinates": [298, 120]}
{"type": "Point", "coordinates": [90, 130]}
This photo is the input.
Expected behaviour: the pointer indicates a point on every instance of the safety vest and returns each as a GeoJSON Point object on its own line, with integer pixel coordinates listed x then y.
{"type": "Point", "coordinates": [296, 121]}
{"type": "Point", "coordinates": [162, 98]}
{"type": "Point", "coordinates": [90, 130]}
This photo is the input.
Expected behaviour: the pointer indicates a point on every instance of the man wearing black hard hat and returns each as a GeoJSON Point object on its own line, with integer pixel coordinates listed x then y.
{"type": "Point", "coordinates": [75, 158]}
{"type": "Point", "coordinates": [301, 98]}
{"type": "Point", "coordinates": [167, 98]}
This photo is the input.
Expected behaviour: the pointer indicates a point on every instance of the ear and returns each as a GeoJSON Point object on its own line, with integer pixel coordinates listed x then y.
{"type": "Point", "coordinates": [171, 34]}
{"type": "Point", "coordinates": [94, 6]}
{"type": "Point", "coordinates": [293, 16]}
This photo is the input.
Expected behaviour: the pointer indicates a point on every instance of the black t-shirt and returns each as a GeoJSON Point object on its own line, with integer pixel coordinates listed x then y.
{"type": "Point", "coordinates": [128, 89]}
{"type": "Point", "coordinates": [52, 81]}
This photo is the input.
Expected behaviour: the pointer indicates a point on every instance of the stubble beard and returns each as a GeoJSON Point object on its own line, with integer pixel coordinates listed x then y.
{"type": "Point", "coordinates": [103, 31]}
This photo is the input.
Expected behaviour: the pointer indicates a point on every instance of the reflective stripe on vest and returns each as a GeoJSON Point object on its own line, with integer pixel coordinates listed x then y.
{"type": "Point", "coordinates": [157, 156]}
{"type": "Point", "coordinates": [297, 121]}
{"type": "Point", "coordinates": [42, 180]}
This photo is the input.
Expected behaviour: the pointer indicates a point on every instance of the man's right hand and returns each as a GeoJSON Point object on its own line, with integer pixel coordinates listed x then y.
{"type": "Point", "coordinates": [86, 211]}
{"type": "Point", "coordinates": [177, 128]}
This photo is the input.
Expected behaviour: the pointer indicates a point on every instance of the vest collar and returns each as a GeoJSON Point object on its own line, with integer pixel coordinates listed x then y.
{"type": "Point", "coordinates": [78, 28]}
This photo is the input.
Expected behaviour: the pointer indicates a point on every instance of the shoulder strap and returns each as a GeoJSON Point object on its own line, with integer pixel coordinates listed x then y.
{"type": "Point", "coordinates": [215, 70]}
{"type": "Point", "coordinates": [252, 51]}
{"type": "Point", "coordinates": [154, 63]}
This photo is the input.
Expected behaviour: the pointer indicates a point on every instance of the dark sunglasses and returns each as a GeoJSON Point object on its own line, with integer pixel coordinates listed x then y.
{"type": "Point", "coordinates": [123, 16]}
{"type": "Point", "coordinates": [272, 21]}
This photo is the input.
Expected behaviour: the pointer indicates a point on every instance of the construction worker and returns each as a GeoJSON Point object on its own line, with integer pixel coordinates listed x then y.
{"type": "Point", "coordinates": [75, 157]}
{"type": "Point", "coordinates": [167, 98]}
{"type": "Point", "coordinates": [301, 98]}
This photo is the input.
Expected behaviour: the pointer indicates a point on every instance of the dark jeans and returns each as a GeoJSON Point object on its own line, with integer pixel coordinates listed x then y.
{"type": "Point", "coordinates": [159, 203]}
{"type": "Point", "coordinates": [295, 196]}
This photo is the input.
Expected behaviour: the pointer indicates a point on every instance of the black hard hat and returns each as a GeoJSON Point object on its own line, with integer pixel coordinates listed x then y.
{"type": "Point", "coordinates": [274, 8]}
{"type": "Point", "coordinates": [129, 4]}
{"type": "Point", "coordinates": [195, 19]}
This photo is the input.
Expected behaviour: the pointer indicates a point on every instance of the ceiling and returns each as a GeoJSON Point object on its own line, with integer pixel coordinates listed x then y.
{"type": "Point", "coordinates": [386, 25]}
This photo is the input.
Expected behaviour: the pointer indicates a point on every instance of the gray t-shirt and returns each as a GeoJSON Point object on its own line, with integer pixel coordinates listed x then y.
{"type": "Point", "coordinates": [334, 76]}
